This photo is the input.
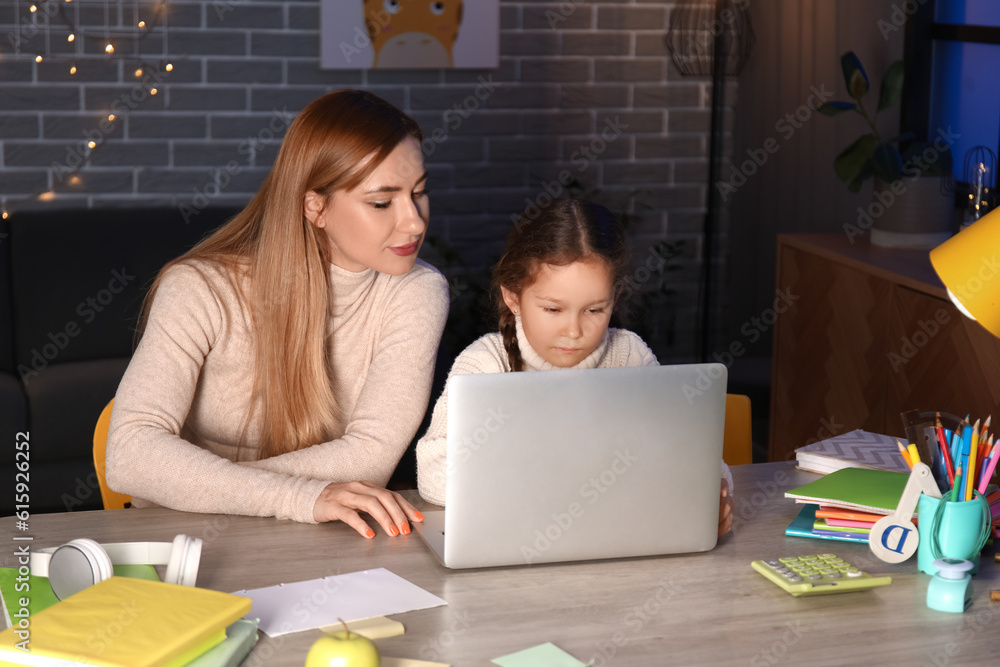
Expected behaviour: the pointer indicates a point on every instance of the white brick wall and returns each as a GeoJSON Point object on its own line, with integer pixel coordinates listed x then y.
{"type": "Point", "coordinates": [242, 68]}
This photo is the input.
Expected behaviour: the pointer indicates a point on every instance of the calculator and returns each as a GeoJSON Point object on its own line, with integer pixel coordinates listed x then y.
{"type": "Point", "coordinates": [817, 575]}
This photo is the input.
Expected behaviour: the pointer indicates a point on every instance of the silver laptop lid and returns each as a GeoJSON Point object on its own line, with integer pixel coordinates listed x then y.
{"type": "Point", "coordinates": [583, 464]}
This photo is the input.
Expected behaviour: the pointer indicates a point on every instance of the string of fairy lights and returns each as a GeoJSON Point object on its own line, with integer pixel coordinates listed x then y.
{"type": "Point", "coordinates": [41, 25]}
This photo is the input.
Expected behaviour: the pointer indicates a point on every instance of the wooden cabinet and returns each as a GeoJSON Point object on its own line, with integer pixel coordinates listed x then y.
{"type": "Point", "coordinates": [871, 334]}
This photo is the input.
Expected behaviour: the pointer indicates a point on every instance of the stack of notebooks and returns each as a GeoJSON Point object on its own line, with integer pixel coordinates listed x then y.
{"type": "Point", "coordinates": [127, 622]}
{"type": "Point", "coordinates": [845, 504]}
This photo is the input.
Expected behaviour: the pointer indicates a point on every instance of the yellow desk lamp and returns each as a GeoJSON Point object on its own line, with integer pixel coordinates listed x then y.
{"type": "Point", "coordinates": [969, 266]}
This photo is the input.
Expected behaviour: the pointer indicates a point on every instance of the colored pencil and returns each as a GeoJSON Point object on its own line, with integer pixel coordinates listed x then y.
{"type": "Point", "coordinates": [966, 447]}
{"type": "Point", "coordinates": [970, 481]}
{"type": "Point", "coordinates": [906, 456]}
{"type": "Point", "coordinates": [942, 441]}
{"type": "Point", "coordinates": [983, 453]}
{"type": "Point", "coordinates": [956, 446]}
{"type": "Point", "coordinates": [988, 473]}
{"type": "Point", "coordinates": [987, 453]}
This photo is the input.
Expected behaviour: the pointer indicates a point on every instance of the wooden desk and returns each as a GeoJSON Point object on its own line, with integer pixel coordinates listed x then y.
{"type": "Point", "coordinates": [871, 334]}
{"type": "Point", "coordinates": [703, 609]}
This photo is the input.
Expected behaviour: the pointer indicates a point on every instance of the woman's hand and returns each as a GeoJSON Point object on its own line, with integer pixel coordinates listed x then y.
{"type": "Point", "coordinates": [342, 502]}
{"type": "Point", "coordinates": [725, 509]}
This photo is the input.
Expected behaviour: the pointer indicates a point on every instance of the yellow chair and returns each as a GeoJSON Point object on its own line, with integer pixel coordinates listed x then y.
{"type": "Point", "coordinates": [737, 442]}
{"type": "Point", "coordinates": [112, 499]}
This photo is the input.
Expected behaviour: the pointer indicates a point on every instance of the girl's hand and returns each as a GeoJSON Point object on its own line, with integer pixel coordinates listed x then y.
{"type": "Point", "coordinates": [342, 502]}
{"type": "Point", "coordinates": [725, 509]}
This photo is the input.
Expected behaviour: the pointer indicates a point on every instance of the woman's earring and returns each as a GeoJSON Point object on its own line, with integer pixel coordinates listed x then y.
{"type": "Point", "coordinates": [515, 311]}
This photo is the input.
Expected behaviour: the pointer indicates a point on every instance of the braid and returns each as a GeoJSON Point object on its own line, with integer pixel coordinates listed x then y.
{"type": "Point", "coordinates": [508, 329]}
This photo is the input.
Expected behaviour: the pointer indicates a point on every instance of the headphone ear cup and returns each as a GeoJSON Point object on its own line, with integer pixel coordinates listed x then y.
{"type": "Point", "coordinates": [98, 557]}
{"type": "Point", "coordinates": [185, 557]}
{"type": "Point", "coordinates": [172, 575]}
{"type": "Point", "coordinates": [189, 574]}
{"type": "Point", "coordinates": [76, 565]}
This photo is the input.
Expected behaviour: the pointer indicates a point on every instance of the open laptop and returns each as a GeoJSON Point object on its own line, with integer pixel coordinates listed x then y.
{"type": "Point", "coordinates": [576, 465]}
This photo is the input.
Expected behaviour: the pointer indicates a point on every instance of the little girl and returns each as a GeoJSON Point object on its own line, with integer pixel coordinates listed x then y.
{"type": "Point", "coordinates": [555, 288]}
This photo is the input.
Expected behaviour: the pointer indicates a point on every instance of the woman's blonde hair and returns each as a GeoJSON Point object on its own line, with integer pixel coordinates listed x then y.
{"type": "Point", "coordinates": [279, 262]}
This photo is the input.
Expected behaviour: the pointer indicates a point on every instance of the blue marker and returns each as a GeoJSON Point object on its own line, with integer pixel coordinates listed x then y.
{"type": "Point", "coordinates": [956, 449]}
{"type": "Point", "coordinates": [966, 448]}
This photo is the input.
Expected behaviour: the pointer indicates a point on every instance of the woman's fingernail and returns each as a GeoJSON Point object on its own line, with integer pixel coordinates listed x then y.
{"type": "Point", "coordinates": [370, 533]}
{"type": "Point", "coordinates": [393, 531]}
{"type": "Point", "coordinates": [420, 517]}
{"type": "Point", "coordinates": [406, 529]}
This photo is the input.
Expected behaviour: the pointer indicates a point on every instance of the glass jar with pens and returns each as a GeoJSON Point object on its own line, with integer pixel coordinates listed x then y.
{"type": "Point", "coordinates": [962, 456]}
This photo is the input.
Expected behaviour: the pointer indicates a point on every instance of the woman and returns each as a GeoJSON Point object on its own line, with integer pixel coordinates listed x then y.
{"type": "Point", "coordinates": [285, 362]}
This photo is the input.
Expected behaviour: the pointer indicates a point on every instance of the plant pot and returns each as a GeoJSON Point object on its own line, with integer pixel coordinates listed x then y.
{"type": "Point", "coordinates": [913, 212]}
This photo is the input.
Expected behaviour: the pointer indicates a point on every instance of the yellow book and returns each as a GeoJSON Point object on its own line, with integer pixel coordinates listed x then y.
{"type": "Point", "coordinates": [123, 622]}
{"type": "Point", "coordinates": [376, 627]}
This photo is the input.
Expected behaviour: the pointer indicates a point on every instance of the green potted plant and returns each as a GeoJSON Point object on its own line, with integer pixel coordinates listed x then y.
{"type": "Point", "coordinates": [912, 198]}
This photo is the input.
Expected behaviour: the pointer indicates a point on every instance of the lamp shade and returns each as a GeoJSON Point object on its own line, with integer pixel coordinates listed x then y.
{"type": "Point", "coordinates": [694, 27]}
{"type": "Point", "coordinates": [969, 266]}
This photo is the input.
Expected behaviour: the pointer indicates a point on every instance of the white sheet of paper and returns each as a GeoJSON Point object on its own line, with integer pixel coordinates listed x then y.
{"type": "Point", "coordinates": [305, 605]}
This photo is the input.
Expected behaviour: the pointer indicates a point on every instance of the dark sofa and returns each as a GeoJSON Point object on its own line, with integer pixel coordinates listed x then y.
{"type": "Point", "coordinates": [71, 288]}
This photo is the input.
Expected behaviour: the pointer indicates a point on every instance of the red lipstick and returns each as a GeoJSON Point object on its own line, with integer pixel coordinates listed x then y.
{"type": "Point", "coordinates": [405, 250]}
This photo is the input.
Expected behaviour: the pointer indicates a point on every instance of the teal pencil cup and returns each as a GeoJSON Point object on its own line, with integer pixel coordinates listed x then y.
{"type": "Point", "coordinates": [958, 530]}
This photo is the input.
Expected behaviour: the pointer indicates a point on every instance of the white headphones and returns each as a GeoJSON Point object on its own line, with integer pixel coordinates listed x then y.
{"type": "Point", "coordinates": [82, 562]}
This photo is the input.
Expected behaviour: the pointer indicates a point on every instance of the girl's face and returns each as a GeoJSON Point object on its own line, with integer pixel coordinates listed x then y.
{"type": "Point", "coordinates": [565, 310]}
{"type": "Point", "coordinates": [380, 224]}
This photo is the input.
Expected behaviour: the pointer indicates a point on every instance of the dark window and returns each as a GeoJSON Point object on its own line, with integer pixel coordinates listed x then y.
{"type": "Point", "coordinates": [952, 82]}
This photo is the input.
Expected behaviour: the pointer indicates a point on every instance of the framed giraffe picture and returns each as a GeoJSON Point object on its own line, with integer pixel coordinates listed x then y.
{"type": "Point", "coordinates": [409, 34]}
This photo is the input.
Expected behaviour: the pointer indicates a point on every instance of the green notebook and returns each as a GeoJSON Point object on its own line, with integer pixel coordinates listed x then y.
{"type": "Point", "coordinates": [39, 594]}
{"type": "Point", "coordinates": [240, 639]}
{"type": "Point", "coordinates": [876, 491]}
{"type": "Point", "coordinates": [821, 524]}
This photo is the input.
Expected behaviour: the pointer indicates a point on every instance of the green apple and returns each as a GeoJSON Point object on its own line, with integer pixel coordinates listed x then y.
{"type": "Point", "coordinates": [343, 648]}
